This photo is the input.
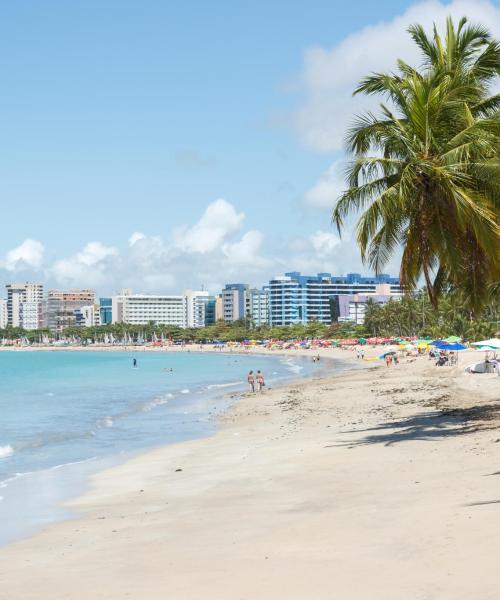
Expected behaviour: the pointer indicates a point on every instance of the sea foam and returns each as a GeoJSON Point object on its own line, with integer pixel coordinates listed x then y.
{"type": "Point", "coordinates": [6, 451]}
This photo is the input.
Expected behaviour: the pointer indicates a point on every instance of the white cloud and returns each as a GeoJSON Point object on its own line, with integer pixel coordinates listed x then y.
{"type": "Point", "coordinates": [219, 221]}
{"type": "Point", "coordinates": [246, 252]}
{"type": "Point", "coordinates": [329, 76]}
{"type": "Point", "coordinates": [28, 255]}
{"type": "Point", "coordinates": [170, 263]}
{"type": "Point", "coordinates": [324, 243]}
{"type": "Point", "coordinates": [327, 189]}
{"type": "Point", "coordinates": [89, 267]}
{"type": "Point", "coordinates": [135, 237]}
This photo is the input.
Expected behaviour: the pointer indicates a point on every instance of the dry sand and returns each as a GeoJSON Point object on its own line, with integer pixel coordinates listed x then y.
{"type": "Point", "coordinates": [375, 484]}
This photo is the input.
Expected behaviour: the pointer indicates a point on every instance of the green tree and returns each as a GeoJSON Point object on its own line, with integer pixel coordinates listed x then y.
{"type": "Point", "coordinates": [426, 170]}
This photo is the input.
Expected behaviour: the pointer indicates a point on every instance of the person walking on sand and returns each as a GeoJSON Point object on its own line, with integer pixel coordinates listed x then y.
{"type": "Point", "coordinates": [260, 380]}
{"type": "Point", "coordinates": [388, 360]}
{"type": "Point", "coordinates": [251, 381]}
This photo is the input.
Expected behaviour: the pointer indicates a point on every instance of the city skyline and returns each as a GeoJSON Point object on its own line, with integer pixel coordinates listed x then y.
{"type": "Point", "coordinates": [287, 299]}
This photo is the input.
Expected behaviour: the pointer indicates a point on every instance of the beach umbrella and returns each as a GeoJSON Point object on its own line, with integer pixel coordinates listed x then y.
{"type": "Point", "coordinates": [361, 341]}
{"type": "Point", "coordinates": [493, 343]}
{"type": "Point", "coordinates": [391, 353]}
{"type": "Point", "coordinates": [453, 339]}
{"type": "Point", "coordinates": [454, 346]}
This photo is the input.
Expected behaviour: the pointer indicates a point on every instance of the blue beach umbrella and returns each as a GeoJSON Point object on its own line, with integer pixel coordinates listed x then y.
{"type": "Point", "coordinates": [455, 346]}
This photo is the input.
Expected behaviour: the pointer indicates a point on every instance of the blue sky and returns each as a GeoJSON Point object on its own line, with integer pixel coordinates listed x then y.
{"type": "Point", "coordinates": [123, 117]}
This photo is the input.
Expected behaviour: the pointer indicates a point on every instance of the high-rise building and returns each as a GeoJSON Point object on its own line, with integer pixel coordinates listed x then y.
{"type": "Point", "coordinates": [106, 311]}
{"type": "Point", "coordinates": [296, 298]}
{"type": "Point", "coordinates": [141, 309]}
{"type": "Point", "coordinates": [234, 301]}
{"type": "Point", "coordinates": [88, 316]}
{"type": "Point", "coordinates": [3, 313]}
{"type": "Point", "coordinates": [29, 294]}
{"type": "Point", "coordinates": [196, 305]}
{"type": "Point", "coordinates": [258, 306]}
{"type": "Point", "coordinates": [60, 307]}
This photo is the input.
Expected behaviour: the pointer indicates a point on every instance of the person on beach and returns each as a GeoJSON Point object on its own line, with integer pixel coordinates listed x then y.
{"type": "Point", "coordinates": [251, 381]}
{"type": "Point", "coordinates": [396, 360]}
{"type": "Point", "coordinates": [388, 360]}
{"type": "Point", "coordinates": [362, 354]}
{"type": "Point", "coordinates": [260, 380]}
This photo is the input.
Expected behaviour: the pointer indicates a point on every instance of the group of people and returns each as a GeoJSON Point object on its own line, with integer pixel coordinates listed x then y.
{"type": "Point", "coordinates": [360, 353]}
{"type": "Point", "coordinates": [391, 358]}
{"type": "Point", "coordinates": [258, 378]}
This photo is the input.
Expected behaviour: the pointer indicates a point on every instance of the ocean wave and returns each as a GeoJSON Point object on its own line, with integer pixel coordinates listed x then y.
{"type": "Point", "coordinates": [75, 462]}
{"type": "Point", "coordinates": [156, 402]}
{"type": "Point", "coordinates": [291, 365]}
{"type": "Point", "coordinates": [6, 451]}
{"type": "Point", "coordinates": [5, 482]}
{"type": "Point", "coordinates": [223, 385]}
{"type": "Point", "coordinates": [185, 391]}
{"type": "Point", "coordinates": [105, 422]}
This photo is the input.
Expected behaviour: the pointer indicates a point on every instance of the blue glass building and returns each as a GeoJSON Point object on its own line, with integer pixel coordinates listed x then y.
{"type": "Point", "coordinates": [296, 298]}
{"type": "Point", "coordinates": [105, 311]}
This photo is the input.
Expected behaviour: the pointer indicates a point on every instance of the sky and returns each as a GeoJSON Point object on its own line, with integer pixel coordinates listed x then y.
{"type": "Point", "coordinates": [160, 145]}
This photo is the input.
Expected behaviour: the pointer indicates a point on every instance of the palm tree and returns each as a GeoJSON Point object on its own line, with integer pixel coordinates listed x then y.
{"type": "Point", "coordinates": [426, 170]}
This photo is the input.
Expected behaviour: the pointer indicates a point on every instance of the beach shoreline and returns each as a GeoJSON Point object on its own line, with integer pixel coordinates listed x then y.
{"type": "Point", "coordinates": [73, 475]}
{"type": "Point", "coordinates": [304, 487]}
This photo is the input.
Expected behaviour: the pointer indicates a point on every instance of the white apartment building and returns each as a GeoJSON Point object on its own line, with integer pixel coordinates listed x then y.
{"type": "Point", "coordinates": [30, 294]}
{"type": "Point", "coordinates": [88, 316]}
{"type": "Point", "coordinates": [141, 309]}
{"type": "Point", "coordinates": [3, 313]}
{"type": "Point", "coordinates": [196, 305]}
{"type": "Point", "coordinates": [30, 315]}
{"type": "Point", "coordinates": [258, 306]}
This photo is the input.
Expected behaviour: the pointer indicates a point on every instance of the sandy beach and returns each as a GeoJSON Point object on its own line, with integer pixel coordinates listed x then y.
{"type": "Point", "coordinates": [379, 483]}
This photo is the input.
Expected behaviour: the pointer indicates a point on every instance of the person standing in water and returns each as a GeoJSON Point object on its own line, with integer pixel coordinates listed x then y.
{"type": "Point", "coordinates": [251, 381]}
{"type": "Point", "coordinates": [134, 363]}
{"type": "Point", "coordinates": [260, 380]}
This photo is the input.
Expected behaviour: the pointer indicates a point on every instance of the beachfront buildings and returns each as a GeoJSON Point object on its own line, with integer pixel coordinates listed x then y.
{"type": "Point", "coordinates": [352, 308]}
{"type": "Point", "coordinates": [105, 311]}
{"type": "Point", "coordinates": [141, 309]}
{"type": "Point", "coordinates": [258, 306]}
{"type": "Point", "coordinates": [296, 298]}
{"type": "Point", "coordinates": [234, 301]}
{"type": "Point", "coordinates": [59, 309]}
{"type": "Point", "coordinates": [3, 313]}
{"type": "Point", "coordinates": [200, 308]}
{"type": "Point", "coordinates": [239, 301]}
{"type": "Point", "coordinates": [88, 316]}
{"type": "Point", "coordinates": [24, 305]}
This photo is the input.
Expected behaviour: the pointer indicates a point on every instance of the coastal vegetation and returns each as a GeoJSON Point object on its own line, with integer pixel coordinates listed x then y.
{"type": "Point", "coordinates": [426, 169]}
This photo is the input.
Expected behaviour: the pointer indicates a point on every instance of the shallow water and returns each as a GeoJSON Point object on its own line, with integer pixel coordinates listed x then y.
{"type": "Point", "coordinates": [64, 415]}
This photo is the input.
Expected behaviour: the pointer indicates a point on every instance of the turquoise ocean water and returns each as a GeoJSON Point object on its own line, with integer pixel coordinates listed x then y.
{"type": "Point", "coordinates": [65, 415]}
